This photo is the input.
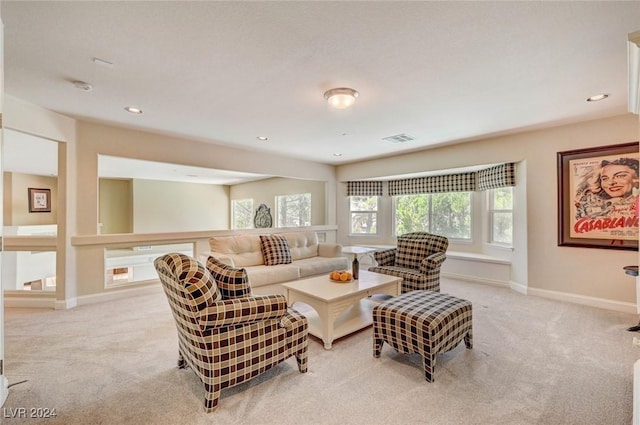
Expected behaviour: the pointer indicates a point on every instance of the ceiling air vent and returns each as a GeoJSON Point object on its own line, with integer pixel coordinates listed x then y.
{"type": "Point", "coordinates": [399, 138]}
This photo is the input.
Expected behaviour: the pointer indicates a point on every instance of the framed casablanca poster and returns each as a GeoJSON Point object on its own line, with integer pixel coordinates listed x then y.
{"type": "Point", "coordinates": [598, 197]}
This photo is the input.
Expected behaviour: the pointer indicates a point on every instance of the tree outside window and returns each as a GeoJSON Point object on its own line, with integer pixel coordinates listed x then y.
{"type": "Point", "coordinates": [364, 214]}
{"type": "Point", "coordinates": [242, 213]}
{"type": "Point", "coordinates": [501, 215]}
{"type": "Point", "coordinates": [294, 210]}
{"type": "Point", "coordinates": [445, 214]}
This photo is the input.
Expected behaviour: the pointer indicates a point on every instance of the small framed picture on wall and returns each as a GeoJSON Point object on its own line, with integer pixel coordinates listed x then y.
{"type": "Point", "coordinates": [39, 200]}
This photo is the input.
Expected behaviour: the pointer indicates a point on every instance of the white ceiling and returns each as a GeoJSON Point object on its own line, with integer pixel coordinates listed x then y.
{"type": "Point", "coordinates": [227, 72]}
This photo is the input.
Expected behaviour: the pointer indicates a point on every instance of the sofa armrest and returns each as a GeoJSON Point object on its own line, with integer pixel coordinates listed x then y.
{"type": "Point", "coordinates": [432, 262]}
{"type": "Point", "coordinates": [242, 311]}
{"type": "Point", "coordinates": [326, 249]}
{"type": "Point", "coordinates": [386, 257]}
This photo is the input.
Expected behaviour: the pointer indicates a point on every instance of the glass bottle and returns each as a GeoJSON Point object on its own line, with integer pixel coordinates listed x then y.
{"type": "Point", "coordinates": [355, 266]}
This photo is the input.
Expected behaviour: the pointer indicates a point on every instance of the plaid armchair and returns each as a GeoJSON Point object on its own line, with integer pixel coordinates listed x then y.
{"type": "Point", "coordinates": [416, 259]}
{"type": "Point", "coordinates": [226, 335]}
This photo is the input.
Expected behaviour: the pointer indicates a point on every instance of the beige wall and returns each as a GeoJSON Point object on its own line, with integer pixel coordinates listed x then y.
{"type": "Point", "coordinates": [116, 206]}
{"type": "Point", "coordinates": [16, 199]}
{"type": "Point", "coordinates": [265, 191]}
{"type": "Point", "coordinates": [542, 265]}
{"type": "Point", "coordinates": [162, 206]}
{"type": "Point", "coordinates": [580, 272]}
{"type": "Point", "coordinates": [96, 139]}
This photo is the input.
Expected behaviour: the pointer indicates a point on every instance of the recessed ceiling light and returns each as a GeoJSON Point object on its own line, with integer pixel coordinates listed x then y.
{"type": "Point", "coordinates": [337, 154]}
{"type": "Point", "coordinates": [597, 97]}
{"type": "Point", "coordinates": [83, 86]}
{"type": "Point", "coordinates": [133, 110]}
{"type": "Point", "coordinates": [262, 138]}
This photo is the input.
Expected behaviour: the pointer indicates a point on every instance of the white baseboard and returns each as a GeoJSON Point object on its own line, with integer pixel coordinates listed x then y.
{"type": "Point", "coordinates": [475, 279]}
{"type": "Point", "coordinates": [623, 307]}
{"type": "Point", "coordinates": [117, 294]}
{"type": "Point", "coordinates": [29, 301]}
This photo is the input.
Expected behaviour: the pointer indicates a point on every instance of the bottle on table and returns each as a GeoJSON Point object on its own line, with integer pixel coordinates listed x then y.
{"type": "Point", "coordinates": [355, 266]}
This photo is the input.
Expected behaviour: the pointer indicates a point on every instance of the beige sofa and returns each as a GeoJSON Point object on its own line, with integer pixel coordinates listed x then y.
{"type": "Point", "coordinates": [309, 258]}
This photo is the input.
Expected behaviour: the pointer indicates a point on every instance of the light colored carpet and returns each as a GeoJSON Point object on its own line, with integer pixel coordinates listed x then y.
{"type": "Point", "coordinates": [534, 361]}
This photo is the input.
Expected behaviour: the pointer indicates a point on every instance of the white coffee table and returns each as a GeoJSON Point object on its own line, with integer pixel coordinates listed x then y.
{"type": "Point", "coordinates": [340, 308]}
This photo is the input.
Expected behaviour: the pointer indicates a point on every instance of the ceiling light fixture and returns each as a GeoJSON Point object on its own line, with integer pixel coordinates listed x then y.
{"type": "Point", "coordinates": [597, 97]}
{"type": "Point", "coordinates": [82, 85]}
{"type": "Point", "coordinates": [341, 98]}
{"type": "Point", "coordinates": [262, 138]}
{"type": "Point", "coordinates": [337, 154]}
{"type": "Point", "coordinates": [133, 110]}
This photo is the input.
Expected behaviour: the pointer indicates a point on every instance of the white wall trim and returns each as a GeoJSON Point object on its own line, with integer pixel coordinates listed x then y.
{"type": "Point", "coordinates": [28, 300]}
{"type": "Point", "coordinates": [473, 256]}
{"type": "Point", "coordinates": [518, 287]}
{"type": "Point", "coordinates": [623, 307]}
{"type": "Point", "coordinates": [475, 279]}
{"type": "Point", "coordinates": [111, 295]}
{"type": "Point", "coordinates": [66, 304]}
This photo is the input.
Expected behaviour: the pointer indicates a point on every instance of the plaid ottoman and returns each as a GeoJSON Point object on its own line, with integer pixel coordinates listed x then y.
{"type": "Point", "coordinates": [423, 322]}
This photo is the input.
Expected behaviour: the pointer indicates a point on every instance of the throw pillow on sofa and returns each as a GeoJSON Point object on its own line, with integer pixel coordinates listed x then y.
{"type": "Point", "coordinates": [197, 280]}
{"type": "Point", "coordinates": [275, 250]}
{"type": "Point", "coordinates": [232, 282]}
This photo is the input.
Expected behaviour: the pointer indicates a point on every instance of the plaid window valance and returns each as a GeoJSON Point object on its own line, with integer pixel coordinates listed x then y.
{"type": "Point", "coordinates": [502, 175]}
{"type": "Point", "coordinates": [364, 188]}
{"type": "Point", "coordinates": [464, 182]}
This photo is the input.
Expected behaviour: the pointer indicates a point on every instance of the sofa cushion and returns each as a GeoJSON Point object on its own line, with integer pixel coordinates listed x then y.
{"type": "Point", "coordinates": [200, 285]}
{"type": "Point", "coordinates": [302, 244]}
{"type": "Point", "coordinates": [243, 250]}
{"type": "Point", "coordinates": [411, 252]}
{"type": "Point", "coordinates": [275, 250]}
{"type": "Point", "coordinates": [232, 282]}
{"type": "Point", "coordinates": [321, 265]}
{"type": "Point", "coordinates": [267, 275]}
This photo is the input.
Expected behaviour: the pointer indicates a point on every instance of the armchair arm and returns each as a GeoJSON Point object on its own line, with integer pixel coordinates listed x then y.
{"type": "Point", "coordinates": [326, 249]}
{"type": "Point", "coordinates": [386, 257]}
{"type": "Point", "coordinates": [432, 262]}
{"type": "Point", "coordinates": [242, 311]}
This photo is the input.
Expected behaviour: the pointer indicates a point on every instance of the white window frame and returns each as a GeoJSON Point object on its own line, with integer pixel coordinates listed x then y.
{"type": "Point", "coordinates": [493, 211]}
{"type": "Point", "coordinates": [278, 211]}
{"type": "Point", "coordinates": [375, 212]}
{"type": "Point", "coordinates": [234, 205]}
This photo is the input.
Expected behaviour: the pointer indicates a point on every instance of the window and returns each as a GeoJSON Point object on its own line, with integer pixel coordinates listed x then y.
{"type": "Point", "coordinates": [501, 215]}
{"type": "Point", "coordinates": [364, 214]}
{"type": "Point", "coordinates": [445, 214]}
{"type": "Point", "coordinates": [242, 213]}
{"type": "Point", "coordinates": [294, 210]}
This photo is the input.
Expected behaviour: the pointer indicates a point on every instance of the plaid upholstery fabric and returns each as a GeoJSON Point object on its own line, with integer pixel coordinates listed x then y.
{"type": "Point", "coordinates": [197, 280]}
{"type": "Point", "coordinates": [463, 182]}
{"type": "Point", "coordinates": [423, 322]}
{"type": "Point", "coordinates": [275, 250]}
{"type": "Point", "coordinates": [239, 310]}
{"type": "Point", "coordinates": [417, 260]}
{"type": "Point", "coordinates": [364, 188]}
{"type": "Point", "coordinates": [232, 282]}
{"type": "Point", "coordinates": [499, 176]}
{"type": "Point", "coordinates": [219, 346]}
